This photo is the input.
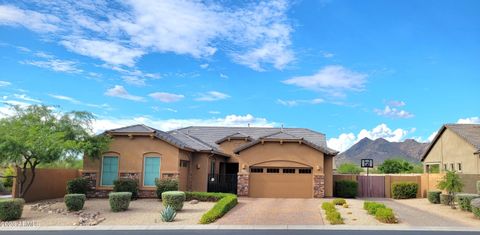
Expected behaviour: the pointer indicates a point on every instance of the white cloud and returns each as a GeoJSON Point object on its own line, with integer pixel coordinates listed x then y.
{"type": "Point", "coordinates": [214, 112]}
{"type": "Point", "coordinates": [470, 120]}
{"type": "Point", "coordinates": [132, 80]}
{"type": "Point", "coordinates": [56, 65]}
{"type": "Point", "coordinates": [26, 98]}
{"type": "Point", "coordinates": [223, 76]}
{"type": "Point", "coordinates": [328, 54]}
{"type": "Point", "coordinates": [393, 112]}
{"type": "Point", "coordinates": [166, 97]}
{"type": "Point", "coordinates": [212, 96]}
{"type": "Point", "coordinates": [396, 103]}
{"type": "Point", "coordinates": [204, 66]}
{"type": "Point", "coordinates": [75, 101]}
{"type": "Point", "coordinates": [288, 103]}
{"type": "Point", "coordinates": [432, 136]}
{"type": "Point", "coordinates": [292, 103]}
{"type": "Point", "coordinates": [39, 22]}
{"type": "Point", "coordinates": [121, 92]}
{"type": "Point", "coordinates": [5, 83]}
{"type": "Point", "coordinates": [346, 140]}
{"type": "Point", "coordinates": [103, 123]}
{"type": "Point", "coordinates": [255, 34]}
{"type": "Point", "coordinates": [333, 79]}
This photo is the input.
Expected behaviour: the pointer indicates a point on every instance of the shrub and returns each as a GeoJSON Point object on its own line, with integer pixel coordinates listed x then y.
{"type": "Point", "coordinates": [464, 200]}
{"type": "Point", "coordinates": [9, 173]}
{"type": "Point", "coordinates": [395, 166]}
{"type": "Point", "coordinates": [2, 188]}
{"type": "Point", "coordinates": [446, 199]}
{"type": "Point", "coordinates": [367, 204]}
{"type": "Point", "coordinates": [346, 188]}
{"type": "Point", "coordinates": [168, 214]}
{"type": "Point", "coordinates": [404, 190]}
{"type": "Point", "coordinates": [119, 201]}
{"type": "Point", "coordinates": [372, 207]}
{"type": "Point", "coordinates": [126, 185]}
{"type": "Point", "coordinates": [74, 202]}
{"type": "Point", "coordinates": [77, 186]}
{"type": "Point", "coordinates": [334, 217]}
{"type": "Point", "coordinates": [204, 196]}
{"type": "Point", "coordinates": [451, 183]}
{"type": "Point", "coordinates": [434, 197]}
{"type": "Point", "coordinates": [11, 209]}
{"type": "Point", "coordinates": [345, 205]}
{"type": "Point", "coordinates": [174, 199]}
{"type": "Point", "coordinates": [475, 205]}
{"type": "Point", "coordinates": [328, 206]}
{"type": "Point", "coordinates": [385, 215]}
{"type": "Point", "coordinates": [349, 168]}
{"type": "Point", "coordinates": [339, 201]}
{"type": "Point", "coordinates": [220, 208]}
{"type": "Point", "coordinates": [164, 185]}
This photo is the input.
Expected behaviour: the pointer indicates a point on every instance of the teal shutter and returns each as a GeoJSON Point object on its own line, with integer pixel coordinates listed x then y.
{"type": "Point", "coordinates": [109, 170]}
{"type": "Point", "coordinates": [151, 171]}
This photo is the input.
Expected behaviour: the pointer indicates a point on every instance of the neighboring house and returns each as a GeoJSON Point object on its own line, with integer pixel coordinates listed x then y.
{"type": "Point", "coordinates": [456, 147]}
{"type": "Point", "coordinates": [249, 161]}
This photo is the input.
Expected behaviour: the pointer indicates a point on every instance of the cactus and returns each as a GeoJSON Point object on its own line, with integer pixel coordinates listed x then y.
{"type": "Point", "coordinates": [168, 214]}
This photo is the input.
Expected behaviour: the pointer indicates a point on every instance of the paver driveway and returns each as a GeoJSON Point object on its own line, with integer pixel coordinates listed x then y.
{"type": "Point", "coordinates": [271, 211]}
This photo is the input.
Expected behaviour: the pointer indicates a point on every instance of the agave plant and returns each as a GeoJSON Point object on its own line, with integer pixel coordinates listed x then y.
{"type": "Point", "coordinates": [168, 214]}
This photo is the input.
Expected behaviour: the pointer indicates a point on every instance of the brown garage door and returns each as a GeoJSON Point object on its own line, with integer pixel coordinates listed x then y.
{"type": "Point", "coordinates": [281, 182]}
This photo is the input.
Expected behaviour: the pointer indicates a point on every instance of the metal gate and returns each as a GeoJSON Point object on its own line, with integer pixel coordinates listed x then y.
{"type": "Point", "coordinates": [371, 186]}
{"type": "Point", "coordinates": [222, 183]}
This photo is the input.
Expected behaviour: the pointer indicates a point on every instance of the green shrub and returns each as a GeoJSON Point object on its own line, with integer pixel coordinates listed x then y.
{"type": "Point", "coordinates": [168, 214]}
{"type": "Point", "coordinates": [2, 188]}
{"type": "Point", "coordinates": [366, 204]}
{"type": "Point", "coordinates": [11, 209]}
{"type": "Point", "coordinates": [475, 205]}
{"type": "Point", "coordinates": [77, 186]}
{"type": "Point", "coordinates": [74, 202]}
{"type": "Point", "coordinates": [372, 207]}
{"type": "Point", "coordinates": [9, 174]}
{"type": "Point", "coordinates": [385, 215]}
{"type": "Point", "coordinates": [165, 185]}
{"type": "Point", "coordinates": [204, 196]}
{"type": "Point", "coordinates": [220, 208]}
{"type": "Point", "coordinates": [404, 190]}
{"type": "Point", "coordinates": [334, 217]}
{"type": "Point", "coordinates": [328, 206]}
{"type": "Point", "coordinates": [349, 168]}
{"type": "Point", "coordinates": [119, 201]}
{"type": "Point", "coordinates": [126, 185]}
{"type": "Point", "coordinates": [445, 199]}
{"type": "Point", "coordinates": [434, 197]}
{"type": "Point", "coordinates": [346, 188]}
{"type": "Point", "coordinates": [339, 201]}
{"type": "Point", "coordinates": [464, 200]}
{"type": "Point", "coordinates": [174, 199]}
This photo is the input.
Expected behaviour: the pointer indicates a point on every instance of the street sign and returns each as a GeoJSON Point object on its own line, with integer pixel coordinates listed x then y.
{"type": "Point", "coordinates": [366, 163]}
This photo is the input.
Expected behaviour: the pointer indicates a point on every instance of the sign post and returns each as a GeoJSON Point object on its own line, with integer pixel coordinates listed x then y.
{"type": "Point", "coordinates": [367, 163]}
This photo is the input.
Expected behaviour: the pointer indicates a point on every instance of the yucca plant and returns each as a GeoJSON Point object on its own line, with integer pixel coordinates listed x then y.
{"type": "Point", "coordinates": [168, 214]}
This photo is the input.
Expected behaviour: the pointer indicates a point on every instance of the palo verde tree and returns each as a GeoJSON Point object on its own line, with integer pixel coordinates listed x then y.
{"type": "Point", "coordinates": [451, 183]}
{"type": "Point", "coordinates": [38, 134]}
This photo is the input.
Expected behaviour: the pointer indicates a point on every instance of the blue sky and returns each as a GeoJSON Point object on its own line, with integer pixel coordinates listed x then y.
{"type": "Point", "coordinates": [349, 69]}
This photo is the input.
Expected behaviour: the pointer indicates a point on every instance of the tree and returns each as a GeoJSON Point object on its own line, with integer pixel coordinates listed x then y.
{"type": "Point", "coordinates": [349, 168]}
{"type": "Point", "coordinates": [395, 166]}
{"type": "Point", "coordinates": [38, 134]}
{"type": "Point", "coordinates": [451, 183]}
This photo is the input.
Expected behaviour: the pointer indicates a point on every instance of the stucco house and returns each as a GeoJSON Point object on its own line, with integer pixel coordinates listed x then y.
{"type": "Point", "coordinates": [456, 147]}
{"type": "Point", "coordinates": [249, 161]}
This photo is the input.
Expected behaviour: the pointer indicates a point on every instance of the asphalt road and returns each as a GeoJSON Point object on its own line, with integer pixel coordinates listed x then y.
{"type": "Point", "coordinates": [236, 232]}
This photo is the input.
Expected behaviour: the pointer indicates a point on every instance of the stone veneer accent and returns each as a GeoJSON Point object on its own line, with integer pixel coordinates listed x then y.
{"type": "Point", "coordinates": [242, 184]}
{"type": "Point", "coordinates": [318, 186]}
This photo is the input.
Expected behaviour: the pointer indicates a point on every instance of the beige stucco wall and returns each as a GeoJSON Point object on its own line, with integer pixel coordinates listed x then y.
{"type": "Point", "coordinates": [131, 153]}
{"type": "Point", "coordinates": [228, 147]}
{"type": "Point", "coordinates": [328, 171]}
{"type": "Point", "coordinates": [200, 168]}
{"type": "Point", "coordinates": [451, 148]}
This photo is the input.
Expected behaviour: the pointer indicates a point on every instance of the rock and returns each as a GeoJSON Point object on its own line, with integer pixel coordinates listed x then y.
{"type": "Point", "coordinates": [194, 201]}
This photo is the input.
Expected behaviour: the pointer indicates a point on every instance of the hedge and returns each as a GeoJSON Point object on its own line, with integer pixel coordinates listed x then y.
{"type": "Point", "coordinates": [346, 188]}
{"type": "Point", "coordinates": [445, 199]}
{"type": "Point", "coordinates": [205, 197]}
{"type": "Point", "coordinates": [164, 185]}
{"type": "Point", "coordinates": [173, 199]}
{"type": "Point", "coordinates": [434, 197]}
{"type": "Point", "coordinates": [404, 190]}
{"type": "Point", "coordinates": [372, 207]}
{"type": "Point", "coordinates": [475, 204]}
{"type": "Point", "coordinates": [74, 202]}
{"type": "Point", "coordinates": [225, 204]}
{"type": "Point", "coordinates": [11, 209]}
{"type": "Point", "coordinates": [339, 201]}
{"type": "Point", "coordinates": [119, 201]}
{"type": "Point", "coordinates": [332, 215]}
{"type": "Point", "coordinates": [385, 215]}
{"type": "Point", "coordinates": [77, 186]}
{"type": "Point", "coordinates": [126, 185]}
{"type": "Point", "coordinates": [464, 200]}
{"type": "Point", "coordinates": [328, 206]}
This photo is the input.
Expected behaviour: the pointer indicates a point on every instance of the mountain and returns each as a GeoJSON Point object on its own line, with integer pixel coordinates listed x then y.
{"type": "Point", "coordinates": [381, 149]}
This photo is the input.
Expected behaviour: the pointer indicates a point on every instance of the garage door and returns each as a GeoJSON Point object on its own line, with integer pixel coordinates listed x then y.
{"type": "Point", "coordinates": [281, 182]}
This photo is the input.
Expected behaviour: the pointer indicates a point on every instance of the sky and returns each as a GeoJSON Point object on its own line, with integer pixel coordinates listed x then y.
{"type": "Point", "coordinates": [349, 69]}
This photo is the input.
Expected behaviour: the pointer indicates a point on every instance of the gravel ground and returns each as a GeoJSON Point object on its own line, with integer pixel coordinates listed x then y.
{"type": "Point", "coordinates": [140, 212]}
{"type": "Point", "coordinates": [355, 214]}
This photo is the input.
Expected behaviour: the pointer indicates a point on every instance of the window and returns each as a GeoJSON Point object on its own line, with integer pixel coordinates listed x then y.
{"type": "Point", "coordinates": [459, 166]}
{"type": "Point", "coordinates": [452, 166]}
{"type": "Point", "coordinates": [273, 170]}
{"type": "Point", "coordinates": [433, 168]}
{"type": "Point", "coordinates": [288, 171]}
{"type": "Point", "coordinates": [184, 163]}
{"type": "Point", "coordinates": [256, 170]}
{"type": "Point", "coordinates": [109, 170]}
{"type": "Point", "coordinates": [304, 171]}
{"type": "Point", "coordinates": [151, 170]}
{"type": "Point", "coordinates": [212, 167]}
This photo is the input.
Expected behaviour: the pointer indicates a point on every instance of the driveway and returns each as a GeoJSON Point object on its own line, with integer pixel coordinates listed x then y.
{"type": "Point", "coordinates": [274, 211]}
